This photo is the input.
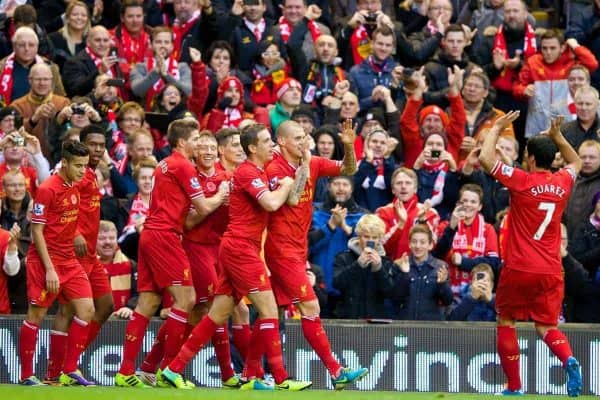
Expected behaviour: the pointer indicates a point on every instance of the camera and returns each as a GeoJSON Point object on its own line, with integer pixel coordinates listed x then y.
{"type": "Point", "coordinates": [78, 109]}
{"type": "Point", "coordinates": [370, 244]}
{"type": "Point", "coordinates": [116, 82]}
{"type": "Point", "coordinates": [371, 19]}
{"type": "Point", "coordinates": [436, 153]}
{"type": "Point", "coordinates": [480, 275]}
{"type": "Point", "coordinates": [19, 141]}
{"type": "Point", "coordinates": [410, 84]}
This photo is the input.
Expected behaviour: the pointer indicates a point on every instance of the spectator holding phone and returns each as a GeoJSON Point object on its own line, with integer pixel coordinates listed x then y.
{"type": "Point", "coordinates": [362, 273]}
{"type": "Point", "coordinates": [421, 289]}
{"type": "Point", "coordinates": [477, 303]}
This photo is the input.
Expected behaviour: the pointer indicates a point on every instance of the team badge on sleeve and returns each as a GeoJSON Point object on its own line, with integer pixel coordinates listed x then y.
{"type": "Point", "coordinates": [258, 183]}
{"type": "Point", "coordinates": [194, 183]}
{"type": "Point", "coordinates": [507, 170]}
{"type": "Point", "coordinates": [38, 209]}
{"type": "Point", "coordinates": [274, 183]}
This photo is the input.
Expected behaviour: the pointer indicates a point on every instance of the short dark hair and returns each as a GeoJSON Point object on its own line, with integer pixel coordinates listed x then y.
{"type": "Point", "coordinates": [91, 129]}
{"type": "Point", "coordinates": [181, 129]}
{"type": "Point", "coordinates": [454, 28]}
{"type": "Point", "coordinates": [249, 136]}
{"type": "Point", "coordinates": [472, 187]}
{"type": "Point", "coordinates": [220, 45]}
{"type": "Point", "coordinates": [553, 34]}
{"type": "Point", "coordinates": [25, 15]}
{"type": "Point", "coordinates": [131, 4]}
{"type": "Point", "coordinates": [385, 31]}
{"type": "Point", "coordinates": [72, 148]}
{"type": "Point", "coordinates": [224, 134]}
{"type": "Point", "coordinates": [482, 76]}
{"type": "Point", "coordinates": [543, 150]}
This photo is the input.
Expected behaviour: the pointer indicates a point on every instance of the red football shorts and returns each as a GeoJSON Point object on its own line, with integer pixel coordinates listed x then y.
{"type": "Point", "coordinates": [242, 271]}
{"type": "Point", "coordinates": [74, 283]}
{"type": "Point", "coordinates": [203, 262]}
{"type": "Point", "coordinates": [162, 262]}
{"type": "Point", "coordinates": [524, 295]}
{"type": "Point", "coordinates": [97, 276]}
{"type": "Point", "coordinates": [289, 280]}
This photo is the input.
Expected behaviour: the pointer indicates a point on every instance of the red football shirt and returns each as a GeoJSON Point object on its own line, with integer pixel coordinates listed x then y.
{"type": "Point", "coordinates": [288, 227]}
{"type": "Point", "coordinates": [211, 229]}
{"type": "Point", "coordinates": [30, 179]}
{"type": "Point", "coordinates": [247, 218]}
{"type": "Point", "coordinates": [56, 206]}
{"type": "Point", "coordinates": [88, 222]}
{"type": "Point", "coordinates": [537, 202]}
{"type": "Point", "coordinates": [175, 185]}
{"type": "Point", "coordinates": [4, 300]}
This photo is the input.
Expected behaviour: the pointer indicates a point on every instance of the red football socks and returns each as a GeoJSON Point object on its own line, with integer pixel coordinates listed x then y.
{"type": "Point", "coordinates": [56, 356]}
{"type": "Point", "coordinates": [220, 341]}
{"type": "Point", "coordinates": [153, 358]}
{"type": "Point", "coordinates": [78, 336]}
{"type": "Point", "coordinates": [241, 338]}
{"type": "Point", "coordinates": [509, 352]}
{"type": "Point", "coordinates": [134, 337]}
{"type": "Point", "coordinates": [317, 338]}
{"type": "Point", "coordinates": [27, 340]}
{"type": "Point", "coordinates": [269, 333]}
{"type": "Point", "coordinates": [558, 344]}
{"type": "Point", "coordinates": [176, 326]}
{"type": "Point", "coordinates": [200, 335]}
{"type": "Point", "coordinates": [94, 331]}
{"type": "Point", "coordinates": [255, 351]}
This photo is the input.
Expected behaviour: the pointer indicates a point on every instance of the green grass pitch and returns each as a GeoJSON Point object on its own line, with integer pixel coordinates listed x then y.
{"type": "Point", "coordinates": [10, 392]}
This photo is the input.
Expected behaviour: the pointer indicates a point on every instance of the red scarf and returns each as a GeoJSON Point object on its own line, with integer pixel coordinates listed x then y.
{"type": "Point", "coordinates": [6, 78]}
{"type": "Point", "coordinates": [360, 43]}
{"type": "Point", "coordinates": [138, 210]}
{"type": "Point", "coordinates": [172, 70]}
{"type": "Point", "coordinates": [379, 182]}
{"type": "Point", "coordinates": [233, 117]}
{"type": "Point", "coordinates": [469, 241]}
{"type": "Point", "coordinates": [133, 49]}
{"type": "Point", "coordinates": [180, 31]}
{"type": "Point", "coordinates": [98, 61]}
{"type": "Point", "coordinates": [571, 107]}
{"type": "Point", "coordinates": [508, 76]}
{"type": "Point", "coordinates": [286, 29]}
{"type": "Point", "coordinates": [314, 82]}
{"type": "Point", "coordinates": [438, 186]}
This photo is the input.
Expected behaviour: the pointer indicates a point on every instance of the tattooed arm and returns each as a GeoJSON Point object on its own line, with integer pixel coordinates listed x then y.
{"type": "Point", "coordinates": [348, 136]}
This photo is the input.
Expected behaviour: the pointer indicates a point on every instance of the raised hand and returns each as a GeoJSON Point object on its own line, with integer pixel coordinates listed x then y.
{"type": "Point", "coordinates": [504, 121]}
{"type": "Point", "coordinates": [555, 125]}
{"type": "Point", "coordinates": [442, 275]}
{"type": "Point", "coordinates": [195, 55]}
{"type": "Point", "coordinates": [348, 133]}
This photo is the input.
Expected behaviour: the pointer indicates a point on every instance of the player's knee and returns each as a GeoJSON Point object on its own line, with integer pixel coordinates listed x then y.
{"type": "Point", "coordinates": [310, 308]}
{"type": "Point", "coordinates": [241, 313]}
{"type": "Point", "coordinates": [85, 312]}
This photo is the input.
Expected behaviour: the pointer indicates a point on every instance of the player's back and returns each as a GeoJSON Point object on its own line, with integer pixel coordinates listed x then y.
{"type": "Point", "coordinates": [537, 202]}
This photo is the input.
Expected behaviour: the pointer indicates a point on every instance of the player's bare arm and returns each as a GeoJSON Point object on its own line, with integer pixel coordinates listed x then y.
{"type": "Point", "coordinates": [205, 206]}
{"type": "Point", "coordinates": [348, 136]}
{"type": "Point", "coordinates": [566, 150]}
{"type": "Point", "coordinates": [487, 157]}
{"type": "Point", "coordinates": [272, 200]}
{"type": "Point", "coordinates": [52, 281]}
{"type": "Point", "coordinates": [302, 174]}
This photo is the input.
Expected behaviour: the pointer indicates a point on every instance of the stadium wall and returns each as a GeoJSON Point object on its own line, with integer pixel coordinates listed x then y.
{"type": "Point", "coordinates": [402, 356]}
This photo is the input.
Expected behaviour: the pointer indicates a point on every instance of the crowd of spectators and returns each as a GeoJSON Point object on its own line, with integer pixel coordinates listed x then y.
{"type": "Point", "coordinates": [417, 233]}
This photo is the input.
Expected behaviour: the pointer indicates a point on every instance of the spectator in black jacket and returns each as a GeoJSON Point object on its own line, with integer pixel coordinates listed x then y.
{"type": "Point", "coordinates": [362, 274]}
{"type": "Point", "coordinates": [585, 126]}
{"type": "Point", "coordinates": [70, 38]}
{"type": "Point", "coordinates": [478, 302]}
{"type": "Point", "coordinates": [584, 26]}
{"type": "Point", "coordinates": [584, 244]}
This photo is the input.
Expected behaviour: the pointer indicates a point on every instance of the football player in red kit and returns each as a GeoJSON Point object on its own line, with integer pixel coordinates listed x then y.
{"type": "Point", "coordinates": [286, 246]}
{"type": "Point", "coordinates": [52, 269]}
{"type": "Point", "coordinates": [86, 237]}
{"type": "Point", "coordinates": [242, 271]}
{"type": "Point", "coordinates": [531, 283]}
{"type": "Point", "coordinates": [162, 262]}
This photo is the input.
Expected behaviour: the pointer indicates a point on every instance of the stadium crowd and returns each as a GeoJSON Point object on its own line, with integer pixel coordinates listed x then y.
{"type": "Point", "coordinates": [415, 231]}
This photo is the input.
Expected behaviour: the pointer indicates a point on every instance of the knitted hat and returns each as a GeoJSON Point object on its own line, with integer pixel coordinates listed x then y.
{"type": "Point", "coordinates": [376, 114]}
{"type": "Point", "coordinates": [285, 85]}
{"type": "Point", "coordinates": [6, 111]}
{"type": "Point", "coordinates": [434, 110]}
{"type": "Point", "coordinates": [230, 82]}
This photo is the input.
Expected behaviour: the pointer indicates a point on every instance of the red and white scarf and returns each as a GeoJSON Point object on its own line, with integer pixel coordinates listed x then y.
{"type": "Point", "coordinates": [571, 107]}
{"type": "Point", "coordinates": [507, 77]}
{"type": "Point", "coordinates": [286, 29]}
{"type": "Point", "coordinates": [432, 28]}
{"type": "Point", "coordinates": [360, 43]}
{"type": "Point", "coordinates": [233, 117]}
{"type": "Point", "coordinates": [6, 78]}
{"type": "Point", "coordinates": [138, 210]}
{"type": "Point", "coordinates": [98, 61]}
{"type": "Point", "coordinates": [379, 182]}
{"type": "Point", "coordinates": [469, 241]}
{"type": "Point", "coordinates": [172, 70]}
{"type": "Point", "coordinates": [179, 32]}
{"type": "Point", "coordinates": [134, 49]}
{"type": "Point", "coordinates": [440, 180]}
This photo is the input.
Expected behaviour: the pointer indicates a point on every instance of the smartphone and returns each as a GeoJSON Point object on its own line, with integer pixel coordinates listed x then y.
{"type": "Point", "coordinates": [480, 276]}
{"type": "Point", "coordinates": [436, 153]}
{"type": "Point", "coordinates": [371, 244]}
{"type": "Point", "coordinates": [116, 82]}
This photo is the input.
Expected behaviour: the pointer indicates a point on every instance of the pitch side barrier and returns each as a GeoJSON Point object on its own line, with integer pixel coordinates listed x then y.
{"type": "Point", "coordinates": [401, 356]}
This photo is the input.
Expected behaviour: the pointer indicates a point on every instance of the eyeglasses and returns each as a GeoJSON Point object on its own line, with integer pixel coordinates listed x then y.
{"type": "Point", "coordinates": [131, 119]}
{"type": "Point", "coordinates": [14, 185]}
{"type": "Point", "coordinates": [41, 79]}
{"type": "Point", "coordinates": [271, 54]}
{"type": "Point", "coordinates": [440, 8]}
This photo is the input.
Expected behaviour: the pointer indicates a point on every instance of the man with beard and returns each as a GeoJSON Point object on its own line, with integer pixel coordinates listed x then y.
{"type": "Point", "coordinates": [333, 224]}
{"type": "Point", "coordinates": [148, 78]}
